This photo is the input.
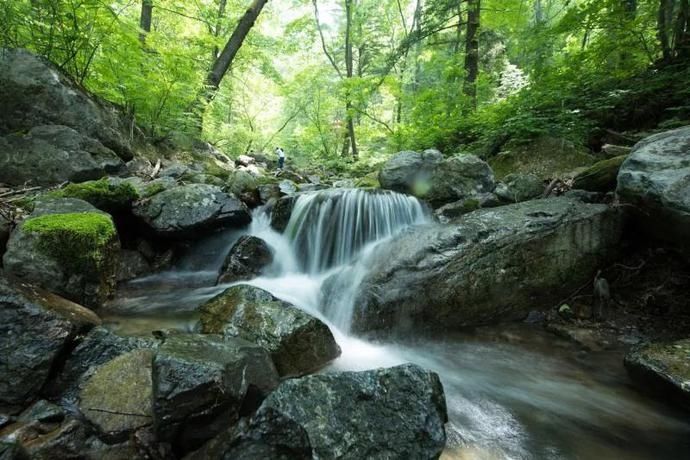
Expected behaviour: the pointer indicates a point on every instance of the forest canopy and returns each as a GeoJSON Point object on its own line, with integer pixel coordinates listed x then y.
{"type": "Point", "coordinates": [344, 80]}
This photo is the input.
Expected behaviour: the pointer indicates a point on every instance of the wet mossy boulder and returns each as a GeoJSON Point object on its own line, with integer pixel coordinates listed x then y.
{"type": "Point", "coordinates": [247, 259]}
{"type": "Point", "coordinates": [108, 194]}
{"type": "Point", "coordinates": [515, 188]}
{"type": "Point", "coordinates": [655, 179]}
{"type": "Point", "coordinates": [600, 177]}
{"type": "Point", "coordinates": [395, 413]}
{"type": "Point", "coordinates": [73, 254]}
{"type": "Point", "coordinates": [37, 329]}
{"type": "Point", "coordinates": [547, 157]}
{"type": "Point", "coordinates": [118, 398]}
{"type": "Point", "coordinates": [489, 266]}
{"type": "Point", "coordinates": [662, 369]}
{"type": "Point", "coordinates": [298, 342]}
{"type": "Point", "coordinates": [185, 211]}
{"type": "Point", "coordinates": [204, 383]}
{"type": "Point", "coordinates": [281, 212]}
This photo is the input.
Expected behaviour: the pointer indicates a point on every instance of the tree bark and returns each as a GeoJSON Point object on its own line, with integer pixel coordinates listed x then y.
{"type": "Point", "coordinates": [681, 39]}
{"type": "Point", "coordinates": [224, 61]}
{"type": "Point", "coordinates": [145, 20]}
{"type": "Point", "coordinates": [663, 22]}
{"type": "Point", "coordinates": [472, 51]}
{"type": "Point", "coordinates": [218, 27]}
{"type": "Point", "coordinates": [349, 70]}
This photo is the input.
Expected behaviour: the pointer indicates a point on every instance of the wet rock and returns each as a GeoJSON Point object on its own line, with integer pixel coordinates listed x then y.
{"type": "Point", "coordinates": [47, 155]}
{"type": "Point", "coordinates": [203, 383]}
{"type": "Point", "coordinates": [98, 347]}
{"type": "Point", "coordinates": [36, 329]}
{"type": "Point", "coordinates": [118, 410]}
{"type": "Point", "coordinates": [298, 342]}
{"type": "Point", "coordinates": [34, 92]}
{"type": "Point", "coordinates": [611, 150]}
{"type": "Point", "coordinates": [344, 183]}
{"type": "Point", "coordinates": [287, 187]}
{"type": "Point", "coordinates": [490, 265]}
{"type": "Point", "coordinates": [656, 178]}
{"type": "Point", "coordinates": [600, 177]}
{"type": "Point", "coordinates": [5, 227]}
{"type": "Point", "coordinates": [185, 210]}
{"type": "Point", "coordinates": [662, 369]}
{"type": "Point", "coordinates": [386, 413]}
{"type": "Point", "coordinates": [68, 247]}
{"type": "Point", "coordinates": [515, 188]}
{"type": "Point", "coordinates": [269, 435]}
{"type": "Point", "coordinates": [440, 181]}
{"type": "Point", "coordinates": [132, 264]}
{"type": "Point", "coordinates": [44, 412]}
{"type": "Point", "coordinates": [245, 160]}
{"type": "Point", "coordinates": [247, 259]}
{"type": "Point", "coordinates": [268, 192]}
{"type": "Point", "coordinates": [281, 213]}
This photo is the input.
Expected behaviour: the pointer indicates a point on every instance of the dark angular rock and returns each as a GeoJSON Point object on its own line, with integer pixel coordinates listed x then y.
{"type": "Point", "coordinates": [246, 260]}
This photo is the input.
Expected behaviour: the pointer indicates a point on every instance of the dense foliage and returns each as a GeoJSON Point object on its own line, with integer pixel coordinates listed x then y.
{"type": "Point", "coordinates": [400, 70]}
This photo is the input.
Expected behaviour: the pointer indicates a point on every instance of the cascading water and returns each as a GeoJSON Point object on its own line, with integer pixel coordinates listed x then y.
{"type": "Point", "coordinates": [506, 399]}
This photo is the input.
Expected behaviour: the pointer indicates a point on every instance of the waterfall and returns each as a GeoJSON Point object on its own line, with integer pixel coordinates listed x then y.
{"type": "Point", "coordinates": [329, 228]}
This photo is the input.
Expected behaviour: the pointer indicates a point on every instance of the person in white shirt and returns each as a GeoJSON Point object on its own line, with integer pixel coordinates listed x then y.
{"type": "Point", "coordinates": [281, 157]}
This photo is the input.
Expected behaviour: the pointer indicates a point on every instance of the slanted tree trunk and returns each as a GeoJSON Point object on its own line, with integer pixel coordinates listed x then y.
{"type": "Point", "coordinates": [472, 51]}
{"type": "Point", "coordinates": [145, 20]}
{"type": "Point", "coordinates": [225, 58]}
{"type": "Point", "coordinates": [351, 140]}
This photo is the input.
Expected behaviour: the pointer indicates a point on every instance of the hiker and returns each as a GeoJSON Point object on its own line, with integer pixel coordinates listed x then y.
{"type": "Point", "coordinates": [281, 157]}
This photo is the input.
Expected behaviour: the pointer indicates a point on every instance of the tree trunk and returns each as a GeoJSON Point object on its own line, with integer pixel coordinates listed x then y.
{"type": "Point", "coordinates": [664, 18]}
{"type": "Point", "coordinates": [218, 27]}
{"type": "Point", "coordinates": [349, 68]}
{"type": "Point", "coordinates": [224, 61]}
{"type": "Point", "coordinates": [682, 30]}
{"type": "Point", "coordinates": [472, 51]}
{"type": "Point", "coordinates": [145, 20]}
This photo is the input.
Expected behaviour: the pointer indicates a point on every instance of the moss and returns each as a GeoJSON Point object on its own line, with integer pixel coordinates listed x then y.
{"type": "Point", "coordinates": [153, 189]}
{"type": "Point", "coordinates": [81, 241]}
{"type": "Point", "coordinates": [470, 205]}
{"type": "Point", "coordinates": [601, 176]}
{"type": "Point", "coordinates": [104, 193]}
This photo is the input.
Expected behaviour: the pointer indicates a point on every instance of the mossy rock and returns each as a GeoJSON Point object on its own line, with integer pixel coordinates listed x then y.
{"type": "Point", "coordinates": [601, 176]}
{"type": "Point", "coordinates": [109, 194]}
{"type": "Point", "coordinates": [371, 180]}
{"type": "Point", "coordinates": [547, 157]}
{"type": "Point", "coordinates": [72, 254]}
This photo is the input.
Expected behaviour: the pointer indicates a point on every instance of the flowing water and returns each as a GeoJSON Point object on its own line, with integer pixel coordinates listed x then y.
{"type": "Point", "coordinates": [512, 392]}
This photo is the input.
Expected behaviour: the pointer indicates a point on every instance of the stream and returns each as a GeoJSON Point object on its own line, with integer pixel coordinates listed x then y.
{"type": "Point", "coordinates": [513, 391]}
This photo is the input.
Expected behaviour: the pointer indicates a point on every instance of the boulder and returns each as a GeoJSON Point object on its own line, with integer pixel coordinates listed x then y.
{"type": "Point", "coordinates": [547, 157]}
{"type": "Point", "coordinates": [34, 92]}
{"type": "Point", "coordinates": [268, 192]}
{"type": "Point", "coordinates": [439, 181]}
{"type": "Point", "coordinates": [186, 210]}
{"type": "Point", "coordinates": [202, 384]}
{"type": "Point", "coordinates": [298, 342]}
{"type": "Point", "coordinates": [44, 412]}
{"type": "Point", "coordinates": [662, 369]}
{"type": "Point", "coordinates": [69, 247]}
{"type": "Point", "coordinates": [98, 347]}
{"type": "Point", "coordinates": [36, 330]}
{"type": "Point", "coordinates": [269, 435]}
{"type": "Point", "coordinates": [110, 194]}
{"type": "Point", "coordinates": [132, 265]}
{"type": "Point", "coordinates": [117, 398]}
{"type": "Point", "coordinates": [247, 259]}
{"type": "Point", "coordinates": [600, 177]}
{"type": "Point", "coordinates": [488, 266]}
{"type": "Point", "coordinates": [656, 179]}
{"type": "Point", "coordinates": [52, 154]}
{"type": "Point", "coordinates": [281, 212]}
{"type": "Point", "coordinates": [612, 150]}
{"type": "Point", "coordinates": [515, 188]}
{"type": "Point", "coordinates": [245, 160]}
{"type": "Point", "coordinates": [395, 413]}
{"type": "Point", "coordinates": [5, 228]}
{"type": "Point", "coordinates": [451, 211]}
{"type": "Point", "coordinates": [287, 187]}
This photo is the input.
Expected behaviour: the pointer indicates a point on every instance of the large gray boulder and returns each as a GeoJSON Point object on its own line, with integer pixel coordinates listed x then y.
{"type": "Point", "coordinates": [203, 383]}
{"type": "Point", "coordinates": [52, 154]}
{"type": "Point", "coordinates": [185, 210]}
{"type": "Point", "coordinates": [68, 247]}
{"type": "Point", "coordinates": [36, 330]}
{"type": "Point", "coordinates": [33, 92]}
{"type": "Point", "coordinates": [298, 342]}
{"type": "Point", "coordinates": [437, 180]}
{"type": "Point", "coordinates": [656, 179]}
{"type": "Point", "coordinates": [396, 413]}
{"type": "Point", "coordinates": [515, 188]}
{"type": "Point", "coordinates": [662, 369]}
{"type": "Point", "coordinates": [490, 265]}
{"type": "Point", "coordinates": [247, 259]}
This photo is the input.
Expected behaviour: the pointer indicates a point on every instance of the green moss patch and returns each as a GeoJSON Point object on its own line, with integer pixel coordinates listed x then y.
{"type": "Point", "coordinates": [81, 241]}
{"type": "Point", "coordinates": [104, 193]}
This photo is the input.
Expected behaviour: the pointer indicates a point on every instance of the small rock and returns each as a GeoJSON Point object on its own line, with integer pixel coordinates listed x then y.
{"type": "Point", "coordinates": [246, 260]}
